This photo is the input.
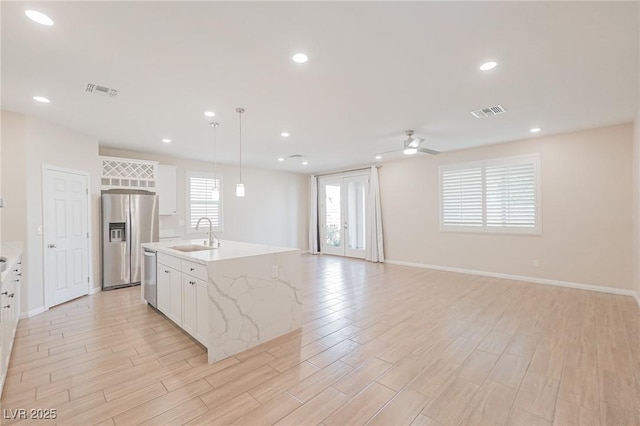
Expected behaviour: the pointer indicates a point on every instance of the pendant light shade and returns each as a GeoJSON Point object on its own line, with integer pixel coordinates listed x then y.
{"type": "Point", "coordinates": [240, 190]}
{"type": "Point", "coordinates": [240, 186]}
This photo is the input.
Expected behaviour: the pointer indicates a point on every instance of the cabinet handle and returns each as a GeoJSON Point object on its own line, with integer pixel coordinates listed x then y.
{"type": "Point", "coordinates": [166, 272]}
{"type": "Point", "coordinates": [4, 293]}
{"type": "Point", "coordinates": [192, 282]}
{"type": "Point", "coordinates": [7, 307]}
{"type": "Point", "coordinates": [11, 295]}
{"type": "Point", "coordinates": [192, 269]}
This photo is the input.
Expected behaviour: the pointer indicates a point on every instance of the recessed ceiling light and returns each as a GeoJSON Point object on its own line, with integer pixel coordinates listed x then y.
{"type": "Point", "coordinates": [304, 163]}
{"type": "Point", "coordinates": [378, 157]}
{"type": "Point", "coordinates": [166, 140]}
{"type": "Point", "coordinates": [284, 134]}
{"type": "Point", "coordinates": [280, 159]}
{"type": "Point", "coordinates": [41, 99]}
{"type": "Point", "coordinates": [39, 17]}
{"type": "Point", "coordinates": [488, 66]}
{"type": "Point", "coordinates": [300, 58]}
{"type": "Point", "coordinates": [210, 114]}
{"type": "Point", "coordinates": [535, 130]}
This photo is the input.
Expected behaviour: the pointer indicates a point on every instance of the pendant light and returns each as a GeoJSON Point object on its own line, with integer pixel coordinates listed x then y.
{"type": "Point", "coordinates": [215, 193]}
{"type": "Point", "coordinates": [240, 186]}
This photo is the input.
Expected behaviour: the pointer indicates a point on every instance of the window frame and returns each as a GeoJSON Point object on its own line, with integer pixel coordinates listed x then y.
{"type": "Point", "coordinates": [204, 175]}
{"type": "Point", "coordinates": [483, 228]}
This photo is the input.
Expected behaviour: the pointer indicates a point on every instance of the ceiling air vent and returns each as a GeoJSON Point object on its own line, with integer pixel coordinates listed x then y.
{"type": "Point", "coordinates": [100, 90]}
{"type": "Point", "coordinates": [296, 156]}
{"type": "Point", "coordinates": [488, 112]}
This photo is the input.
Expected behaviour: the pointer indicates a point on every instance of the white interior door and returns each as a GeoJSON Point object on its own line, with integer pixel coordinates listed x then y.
{"type": "Point", "coordinates": [66, 235]}
{"type": "Point", "coordinates": [343, 214]}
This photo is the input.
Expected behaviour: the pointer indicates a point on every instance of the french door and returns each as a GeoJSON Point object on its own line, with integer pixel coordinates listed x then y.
{"type": "Point", "coordinates": [342, 215]}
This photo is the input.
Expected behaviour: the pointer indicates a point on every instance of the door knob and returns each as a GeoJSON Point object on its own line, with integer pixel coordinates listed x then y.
{"type": "Point", "coordinates": [51, 246]}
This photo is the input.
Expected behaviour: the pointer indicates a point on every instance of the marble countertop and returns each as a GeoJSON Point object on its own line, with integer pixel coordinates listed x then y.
{"type": "Point", "coordinates": [10, 251]}
{"type": "Point", "coordinates": [227, 250]}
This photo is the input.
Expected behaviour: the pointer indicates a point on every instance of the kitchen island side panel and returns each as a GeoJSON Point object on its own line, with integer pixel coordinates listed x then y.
{"type": "Point", "coordinates": [252, 300]}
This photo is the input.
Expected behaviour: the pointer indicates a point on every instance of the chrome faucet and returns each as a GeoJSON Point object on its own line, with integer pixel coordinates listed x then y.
{"type": "Point", "coordinates": [212, 235]}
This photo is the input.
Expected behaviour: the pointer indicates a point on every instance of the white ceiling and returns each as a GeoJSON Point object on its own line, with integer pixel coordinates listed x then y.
{"type": "Point", "coordinates": [375, 69]}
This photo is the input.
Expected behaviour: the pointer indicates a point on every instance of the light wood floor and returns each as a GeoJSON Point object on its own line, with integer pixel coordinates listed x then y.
{"type": "Point", "coordinates": [382, 344]}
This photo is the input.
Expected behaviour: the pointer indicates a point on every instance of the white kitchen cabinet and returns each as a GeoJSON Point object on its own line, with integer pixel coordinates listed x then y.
{"type": "Point", "coordinates": [166, 189]}
{"type": "Point", "coordinates": [163, 286]}
{"type": "Point", "coordinates": [175, 302]}
{"type": "Point", "coordinates": [202, 312]}
{"type": "Point", "coordinates": [182, 294]}
{"type": "Point", "coordinates": [189, 303]}
{"type": "Point", "coordinates": [9, 314]}
{"type": "Point", "coordinates": [169, 288]}
{"type": "Point", "coordinates": [195, 300]}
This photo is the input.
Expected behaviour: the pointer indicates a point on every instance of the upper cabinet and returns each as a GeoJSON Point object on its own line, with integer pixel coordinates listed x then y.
{"type": "Point", "coordinates": [166, 188]}
{"type": "Point", "coordinates": [127, 173]}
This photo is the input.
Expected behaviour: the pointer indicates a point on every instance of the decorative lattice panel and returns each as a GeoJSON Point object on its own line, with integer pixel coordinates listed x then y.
{"type": "Point", "coordinates": [125, 173]}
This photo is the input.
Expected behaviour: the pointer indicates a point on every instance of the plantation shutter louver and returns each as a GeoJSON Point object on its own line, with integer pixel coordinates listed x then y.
{"type": "Point", "coordinates": [462, 197]}
{"type": "Point", "coordinates": [511, 195]}
{"type": "Point", "coordinates": [498, 195]}
{"type": "Point", "coordinates": [203, 201]}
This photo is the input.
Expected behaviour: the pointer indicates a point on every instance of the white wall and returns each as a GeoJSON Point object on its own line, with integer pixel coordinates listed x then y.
{"type": "Point", "coordinates": [586, 212]}
{"type": "Point", "coordinates": [33, 143]}
{"type": "Point", "coordinates": [14, 183]}
{"type": "Point", "coordinates": [274, 210]}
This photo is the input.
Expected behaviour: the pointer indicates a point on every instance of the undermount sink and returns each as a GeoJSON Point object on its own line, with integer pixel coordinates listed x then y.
{"type": "Point", "coordinates": [192, 247]}
{"type": "Point", "coordinates": [3, 264]}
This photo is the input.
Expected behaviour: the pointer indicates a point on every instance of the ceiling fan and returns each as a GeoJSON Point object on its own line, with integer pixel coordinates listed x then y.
{"type": "Point", "coordinates": [413, 145]}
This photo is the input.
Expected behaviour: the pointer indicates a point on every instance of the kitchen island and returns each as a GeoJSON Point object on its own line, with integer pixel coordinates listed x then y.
{"type": "Point", "coordinates": [230, 298]}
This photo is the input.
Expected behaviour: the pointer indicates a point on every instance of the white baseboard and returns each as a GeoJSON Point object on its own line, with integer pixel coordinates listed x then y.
{"type": "Point", "coordinates": [545, 281]}
{"type": "Point", "coordinates": [32, 312]}
{"type": "Point", "coordinates": [41, 309]}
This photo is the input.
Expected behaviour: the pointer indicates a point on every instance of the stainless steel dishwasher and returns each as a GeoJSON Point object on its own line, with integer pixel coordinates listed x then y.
{"type": "Point", "coordinates": [150, 278]}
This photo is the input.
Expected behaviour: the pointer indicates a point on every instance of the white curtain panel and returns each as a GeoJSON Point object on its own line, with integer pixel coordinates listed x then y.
{"type": "Point", "coordinates": [313, 215]}
{"type": "Point", "coordinates": [375, 243]}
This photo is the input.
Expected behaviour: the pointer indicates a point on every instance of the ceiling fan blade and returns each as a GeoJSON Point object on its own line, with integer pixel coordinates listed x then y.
{"type": "Point", "coordinates": [413, 142]}
{"type": "Point", "coordinates": [389, 152]}
{"type": "Point", "coordinates": [428, 151]}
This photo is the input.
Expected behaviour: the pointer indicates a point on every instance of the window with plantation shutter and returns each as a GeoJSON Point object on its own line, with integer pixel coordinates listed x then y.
{"type": "Point", "coordinates": [500, 195]}
{"type": "Point", "coordinates": [204, 199]}
{"type": "Point", "coordinates": [511, 195]}
{"type": "Point", "coordinates": [462, 197]}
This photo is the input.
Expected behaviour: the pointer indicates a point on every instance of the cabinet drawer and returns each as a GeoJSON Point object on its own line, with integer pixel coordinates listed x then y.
{"type": "Point", "coordinates": [194, 269]}
{"type": "Point", "coordinates": [170, 261]}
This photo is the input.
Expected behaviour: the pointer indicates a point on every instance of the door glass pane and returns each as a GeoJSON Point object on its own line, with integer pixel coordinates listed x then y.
{"type": "Point", "coordinates": [332, 211]}
{"type": "Point", "coordinates": [356, 220]}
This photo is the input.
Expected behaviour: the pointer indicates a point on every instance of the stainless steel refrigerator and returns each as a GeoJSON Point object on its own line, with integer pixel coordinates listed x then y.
{"type": "Point", "coordinates": [128, 220]}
